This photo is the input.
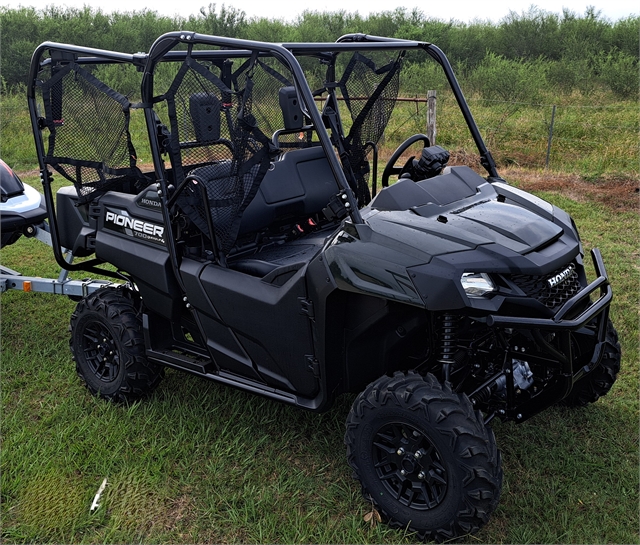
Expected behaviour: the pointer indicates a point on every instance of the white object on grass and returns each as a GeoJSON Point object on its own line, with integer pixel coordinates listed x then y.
{"type": "Point", "coordinates": [96, 498]}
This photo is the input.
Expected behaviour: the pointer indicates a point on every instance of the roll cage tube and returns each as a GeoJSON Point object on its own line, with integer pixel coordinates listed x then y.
{"type": "Point", "coordinates": [486, 159]}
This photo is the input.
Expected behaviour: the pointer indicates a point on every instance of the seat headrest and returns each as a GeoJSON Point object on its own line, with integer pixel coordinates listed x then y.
{"type": "Point", "coordinates": [291, 110]}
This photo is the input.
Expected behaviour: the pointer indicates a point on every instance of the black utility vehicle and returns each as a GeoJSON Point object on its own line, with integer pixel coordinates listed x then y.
{"type": "Point", "coordinates": [258, 251]}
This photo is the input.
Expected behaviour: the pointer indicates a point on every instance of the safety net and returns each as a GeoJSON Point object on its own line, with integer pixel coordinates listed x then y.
{"type": "Point", "coordinates": [221, 127]}
{"type": "Point", "coordinates": [89, 141]}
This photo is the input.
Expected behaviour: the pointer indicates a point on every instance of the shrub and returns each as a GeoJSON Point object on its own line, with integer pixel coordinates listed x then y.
{"type": "Point", "coordinates": [619, 71]}
{"type": "Point", "coordinates": [568, 74]}
{"type": "Point", "coordinates": [418, 78]}
{"type": "Point", "coordinates": [497, 78]}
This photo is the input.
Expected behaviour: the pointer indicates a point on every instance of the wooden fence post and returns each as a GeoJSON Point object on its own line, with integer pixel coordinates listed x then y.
{"type": "Point", "coordinates": [553, 117]}
{"type": "Point", "coordinates": [431, 117]}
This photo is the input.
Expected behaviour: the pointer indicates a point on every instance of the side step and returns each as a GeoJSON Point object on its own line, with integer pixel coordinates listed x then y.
{"type": "Point", "coordinates": [204, 367]}
{"type": "Point", "coordinates": [198, 365]}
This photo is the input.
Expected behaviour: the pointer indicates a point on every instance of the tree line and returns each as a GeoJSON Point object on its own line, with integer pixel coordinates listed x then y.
{"type": "Point", "coordinates": [515, 59]}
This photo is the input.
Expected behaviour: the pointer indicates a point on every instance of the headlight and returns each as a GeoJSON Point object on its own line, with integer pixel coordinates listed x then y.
{"type": "Point", "coordinates": [477, 284]}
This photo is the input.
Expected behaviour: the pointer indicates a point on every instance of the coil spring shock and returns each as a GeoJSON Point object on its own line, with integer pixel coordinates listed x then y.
{"type": "Point", "coordinates": [448, 342]}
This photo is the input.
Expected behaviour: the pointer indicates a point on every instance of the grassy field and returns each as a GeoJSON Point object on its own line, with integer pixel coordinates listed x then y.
{"type": "Point", "coordinates": [593, 136]}
{"type": "Point", "coordinates": [199, 462]}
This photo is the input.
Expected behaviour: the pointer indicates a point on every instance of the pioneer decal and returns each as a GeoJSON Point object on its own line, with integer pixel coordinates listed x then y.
{"type": "Point", "coordinates": [560, 277]}
{"type": "Point", "coordinates": [121, 222]}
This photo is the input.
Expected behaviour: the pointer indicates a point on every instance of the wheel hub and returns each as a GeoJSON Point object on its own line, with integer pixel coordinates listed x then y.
{"type": "Point", "coordinates": [101, 351]}
{"type": "Point", "coordinates": [409, 466]}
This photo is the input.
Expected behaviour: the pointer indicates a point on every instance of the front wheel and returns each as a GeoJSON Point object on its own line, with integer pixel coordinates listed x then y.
{"type": "Point", "coordinates": [107, 344]}
{"type": "Point", "coordinates": [423, 456]}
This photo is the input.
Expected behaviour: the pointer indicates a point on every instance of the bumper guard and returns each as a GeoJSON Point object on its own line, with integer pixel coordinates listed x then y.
{"type": "Point", "coordinates": [558, 322]}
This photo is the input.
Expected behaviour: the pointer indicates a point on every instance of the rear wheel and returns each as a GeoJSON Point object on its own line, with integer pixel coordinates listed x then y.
{"type": "Point", "coordinates": [596, 384]}
{"type": "Point", "coordinates": [107, 344]}
{"type": "Point", "coordinates": [424, 457]}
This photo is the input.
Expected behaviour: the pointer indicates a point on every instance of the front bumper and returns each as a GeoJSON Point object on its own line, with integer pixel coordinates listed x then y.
{"type": "Point", "coordinates": [560, 321]}
{"type": "Point", "coordinates": [582, 311]}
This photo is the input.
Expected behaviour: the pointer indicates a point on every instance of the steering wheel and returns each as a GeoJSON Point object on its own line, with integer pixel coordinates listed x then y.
{"type": "Point", "coordinates": [391, 168]}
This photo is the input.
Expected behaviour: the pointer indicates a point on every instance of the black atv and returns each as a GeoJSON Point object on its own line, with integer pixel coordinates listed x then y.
{"type": "Point", "coordinates": [258, 251]}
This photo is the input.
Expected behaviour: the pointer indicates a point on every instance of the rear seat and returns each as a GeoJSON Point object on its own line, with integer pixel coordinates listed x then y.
{"type": "Point", "coordinates": [298, 185]}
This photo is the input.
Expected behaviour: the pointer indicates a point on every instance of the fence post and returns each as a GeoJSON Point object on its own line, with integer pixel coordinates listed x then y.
{"type": "Point", "coordinates": [431, 117]}
{"type": "Point", "coordinates": [553, 117]}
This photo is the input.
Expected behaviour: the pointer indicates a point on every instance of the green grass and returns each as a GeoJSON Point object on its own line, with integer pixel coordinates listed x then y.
{"type": "Point", "coordinates": [200, 462]}
{"type": "Point", "coordinates": [17, 147]}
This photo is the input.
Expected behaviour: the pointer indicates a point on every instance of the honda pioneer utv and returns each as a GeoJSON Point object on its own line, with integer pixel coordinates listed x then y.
{"type": "Point", "coordinates": [258, 251]}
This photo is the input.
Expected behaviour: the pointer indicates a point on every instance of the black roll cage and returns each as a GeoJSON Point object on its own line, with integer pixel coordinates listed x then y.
{"type": "Point", "coordinates": [163, 50]}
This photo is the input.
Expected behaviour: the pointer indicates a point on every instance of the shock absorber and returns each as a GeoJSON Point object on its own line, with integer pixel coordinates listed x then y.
{"type": "Point", "coordinates": [448, 343]}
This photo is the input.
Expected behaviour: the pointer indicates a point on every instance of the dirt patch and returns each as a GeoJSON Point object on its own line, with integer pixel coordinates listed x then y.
{"type": "Point", "coordinates": [620, 194]}
{"type": "Point", "coordinates": [180, 511]}
{"type": "Point", "coordinates": [27, 173]}
{"type": "Point", "coordinates": [616, 192]}
{"type": "Point", "coordinates": [461, 157]}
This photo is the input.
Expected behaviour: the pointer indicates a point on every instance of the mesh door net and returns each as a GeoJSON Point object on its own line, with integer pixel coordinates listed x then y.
{"type": "Point", "coordinates": [370, 95]}
{"type": "Point", "coordinates": [219, 139]}
{"type": "Point", "coordinates": [89, 140]}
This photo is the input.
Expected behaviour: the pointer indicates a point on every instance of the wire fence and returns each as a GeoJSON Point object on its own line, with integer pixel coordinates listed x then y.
{"type": "Point", "coordinates": [598, 138]}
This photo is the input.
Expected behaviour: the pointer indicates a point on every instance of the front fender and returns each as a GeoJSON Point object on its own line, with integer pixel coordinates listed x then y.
{"type": "Point", "coordinates": [363, 261]}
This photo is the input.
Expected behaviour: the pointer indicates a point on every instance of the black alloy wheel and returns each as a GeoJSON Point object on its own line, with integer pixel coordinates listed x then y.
{"type": "Point", "coordinates": [424, 456]}
{"type": "Point", "coordinates": [100, 351]}
{"type": "Point", "coordinates": [107, 344]}
{"type": "Point", "coordinates": [410, 466]}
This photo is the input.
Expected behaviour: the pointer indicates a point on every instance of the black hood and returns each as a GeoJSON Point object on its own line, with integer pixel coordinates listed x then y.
{"type": "Point", "coordinates": [462, 208]}
{"type": "Point", "coordinates": [511, 226]}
